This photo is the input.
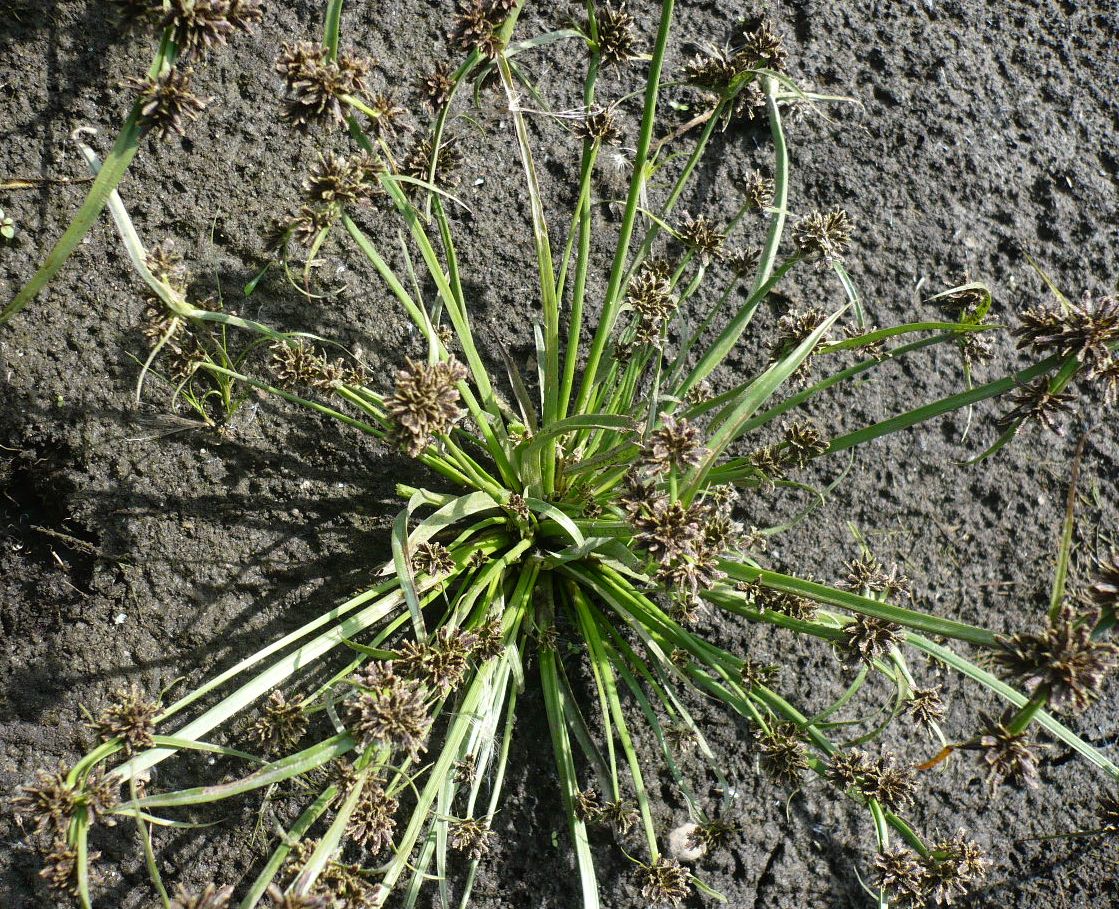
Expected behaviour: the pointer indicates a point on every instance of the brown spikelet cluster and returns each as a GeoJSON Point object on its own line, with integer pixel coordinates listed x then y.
{"type": "Point", "coordinates": [676, 445]}
{"type": "Point", "coordinates": [385, 115]}
{"type": "Point", "coordinates": [873, 778]}
{"type": "Point", "coordinates": [417, 162]}
{"type": "Point", "coordinates": [1064, 658]}
{"type": "Point", "coordinates": [650, 295]}
{"type": "Point", "coordinates": [196, 25]}
{"type": "Point", "coordinates": [296, 363]}
{"type": "Point", "coordinates": [950, 870]}
{"type": "Point", "coordinates": [372, 824]}
{"type": "Point", "coordinates": [755, 674]}
{"type": "Point", "coordinates": [783, 753]}
{"type": "Point", "coordinates": [742, 261]}
{"type": "Point", "coordinates": [436, 87]}
{"type": "Point", "coordinates": [713, 69]}
{"type": "Point", "coordinates": [788, 604]}
{"type": "Point", "coordinates": [801, 442]}
{"type": "Point", "coordinates": [52, 801]}
{"type": "Point", "coordinates": [1007, 755]}
{"type": "Point", "coordinates": [477, 26]}
{"type": "Point", "coordinates": [338, 180]}
{"type": "Point", "coordinates": [925, 707]}
{"type": "Point", "coordinates": [471, 837]}
{"type": "Point", "coordinates": [1036, 402]}
{"type": "Point", "coordinates": [318, 85]}
{"type": "Point", "coordinates": [281, 725]}
{"type": "Point", "coordinates": [166, 102]}
{"type": "Point", "coordinates": [617, 39]}
{"type": "Point", "coordinates": [700, 235]}
{"type": "Point", "coordinates": [664, 881]}
{"type": "Point", "coordinates": [823, 235]}
{"type": "Point", "coordinates": [764, 48]}
{"type": "Point", "coordinates": [587, 805]}
{"type": "Point", "coordinates": [386, 709]}
{"type": "Point", "coordinates": [60, 867]}
{"type": "Point", "coordinates": [758, 189]}
{"type": "Point", "coordinates": [489, 640]}
{"type": "Point", "coordinates": [867, 576]}
{"type": "Point", "coordinates": [130, 717]}
{"type": "Point", "coordinates": [425, 402]}
{"type": "Point", "coordinates": [793, 328]}
{"type": "Point", "coordinates": [867, 638]}
{"type": "Point", "coordinates": [619, 815]}
{"type": "Point", "coordinates": [466, 770]}
{"type": "Point", "coordinates": [433, 559]}
{"type": "Point", "coordinates": [441, 661]}
{"type": "Point", "coordinates": [209, 897]}
{"type": "Point", "coordinates": [598, 126]}
{"type": "Point", "coordinates": [1085, 330]}
{"type": "Point", "coordinates": [710, 834]}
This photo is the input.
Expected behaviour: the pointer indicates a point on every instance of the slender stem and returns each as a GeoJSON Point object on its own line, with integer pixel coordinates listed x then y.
{"type": "Point", "coordinates": [612, 300]}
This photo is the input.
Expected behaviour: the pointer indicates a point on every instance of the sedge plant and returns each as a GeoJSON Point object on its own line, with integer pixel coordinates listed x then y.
{"type": "Point", "coordinates": [584, 518]}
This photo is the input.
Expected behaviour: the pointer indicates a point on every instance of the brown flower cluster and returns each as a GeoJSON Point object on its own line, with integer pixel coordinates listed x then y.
{"type": "Point", "coordinates": [318, 85]}
{"type": "Point", "coordinates": [801, 442]}
{"type": "Point", "coordinates": [130, 717]}
{"type": "Point", "coordinates": [281, 725]}
{"type": "Point", "coordinates": [617, 38]}
{"type": "Point", "coordinates": [873, 778]}
{"type": "Point", "coordinates": [1064, 658]}
{"type": "Point", "coordinates": [387, 709]}
{"type": "Point", "coordinates": [425, 402]}
{"type": "Point", "coordinates": [950, 869]}
{"type": "Point", "coordinates": [650, 295]}
{"type": "Point", "coordinates": [823, 235]}
{"type": "Point", "coordinates": [664, 881]}
{"type": "Point", "coordinates": [166, 101]}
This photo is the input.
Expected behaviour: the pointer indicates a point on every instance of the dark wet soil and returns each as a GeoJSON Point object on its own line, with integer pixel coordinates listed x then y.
{"type": "Point", "coordinates": [138, 547]}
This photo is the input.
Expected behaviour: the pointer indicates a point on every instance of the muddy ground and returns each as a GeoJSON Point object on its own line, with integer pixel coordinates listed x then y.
{"type": "Point", "coordinates": [136, 547]}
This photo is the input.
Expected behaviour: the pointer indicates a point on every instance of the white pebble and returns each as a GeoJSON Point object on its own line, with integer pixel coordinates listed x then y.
{"type": "Point", "coordinates": [679, 847]}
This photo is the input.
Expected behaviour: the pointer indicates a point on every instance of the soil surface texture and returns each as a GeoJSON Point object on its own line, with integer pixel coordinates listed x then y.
{"type": "Point", "coordinates": [138, 547]}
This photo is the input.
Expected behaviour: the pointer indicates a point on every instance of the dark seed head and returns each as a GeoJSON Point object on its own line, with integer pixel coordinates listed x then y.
{"type": "Point", "coordinates": [318, 85]}
{"type": "Point", "coordinates": [664, 881]}
{"type": "Point", "coordinates": [425, 402]}
{"type": "Point", "coordinates": [130, 717]}
{"type": "Point", "coordinates": [472, 837]}
{"type": "Point", "coordinates": [436, 86]}
{"type": "Point", "coordinates": [209, 897]}
{"type": "Point", "coordinates": [598, 126]}
{"type": "Point", "coordinates": [1064, 657]}
{"type": "Point", "coordinates": [1008, 756]}
{"type": "Point", "coordinates": [339, 180]}
{"type": "Point", "coordinates": [281, 725]}
{"type": "Point", "coordinates": [758, 189]}
{"type": "Point", "coordinates": [823, 235]}
{"type": "Point", "coordinates": [867, 638]}
{"type": "Point", "coordinates": [433, 559]}
{"type": "Point", "coordinates": [783, 753]}
{"type": "Point", "coordinates": [701, 235]}
{"type": "Point", "coordinates": [617, 40]}
{"type": "Point", "coordinates": [953, 868]}
{"type": "Point", "coordinates": [902, 874]}
{"type": "Point", "coordinates": [1035, 401]}
{"type": "Point", "coordinates": [925, 706]}
{"type": "Point", "coordinates": [677, 444]}
{"type": "Point", "coordinates": [1085, 330]}
{"type": "Point", "coordinates": [387, 710]}
{"type": "Point", "coordinates": [763, 47]}
{"type": "Point", "coordinates": [164, 103]}
{"type": "Point", "coordinates": [372, 824]}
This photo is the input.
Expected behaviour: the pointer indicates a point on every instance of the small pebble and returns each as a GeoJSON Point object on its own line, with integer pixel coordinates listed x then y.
{"type": "Point", "coordinates": [679, 847]}
{"type": "Point", "coordinates": [120, 618]}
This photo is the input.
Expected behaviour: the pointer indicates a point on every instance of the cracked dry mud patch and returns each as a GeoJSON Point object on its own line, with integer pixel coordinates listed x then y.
{"type": "Point", "coordinates": [135, 549]}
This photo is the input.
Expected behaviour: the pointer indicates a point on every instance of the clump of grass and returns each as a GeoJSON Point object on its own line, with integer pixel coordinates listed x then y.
{"type": "Point", "coordinates": [597, 517]}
